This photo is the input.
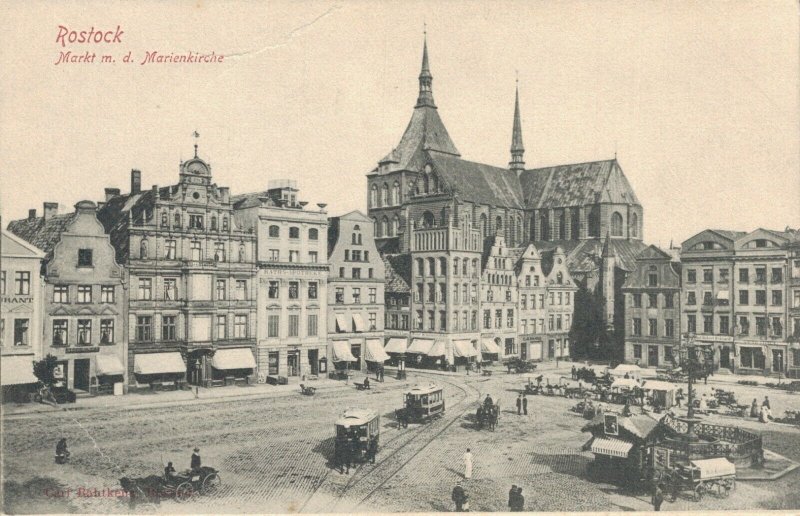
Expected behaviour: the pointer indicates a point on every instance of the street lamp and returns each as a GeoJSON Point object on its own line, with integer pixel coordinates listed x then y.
{"type": "Point", "coordinates": [697, 363]}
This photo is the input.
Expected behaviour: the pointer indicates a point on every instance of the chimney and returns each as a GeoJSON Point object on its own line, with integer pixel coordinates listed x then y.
{"type": "Point", "coordinates": [50, 210]}
{"type": "Point", "coordinates": [155, 192]}
{"type": "Point", "coordinates": [111, 193]}
{"type": "Point", "coordinates": [225, 192]}
{"type": "Point", "coordinates": [85, 206]}
{"type": "Point", "coordinates": [136, 181]}
{"type": "Point", "coordinates": [32, 214]}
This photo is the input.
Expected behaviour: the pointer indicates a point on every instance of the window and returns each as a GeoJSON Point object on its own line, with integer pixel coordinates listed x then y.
{"type": "Point", "coordinates": [724, 325]}
{"type": "Point", "coordinates": [294, 232]}
{"type": "Point", "coordinates": [536, 280]}
{"type": "Point", "coordinates": [84, 332]}
{"type": "Point", "coordinates": [294, 256]}
{"type": "Point", "coordinates": [357, 295]}
{"type": "Point", "coordinates": [60, 332]}
{"type": "Point", "coordinates": [274, 231]}
{"type": "Point", "coordinates": [294, 290]}
{"type": "Point", "coordinates": [744, 325]}
{"type": "Point", "coordinates": [224, 223]}
{"type": "Point", "coordinates": [523, 302]}
{"type": "Point", "coordinates": [761, 326]}
{"type": "Point", "coordinates": [691, 276]}
{"type": "Point", "coordinates": [465, 267]}
{"type": "Point", "coordinates": [669, 301]}
{"type": "Point", "coordinates": [274, 358]}
{"type": "Point", "coordinates": [487, 319]}
{"type": "Point", "coordinates": [744, 297]}
{"type": "Point", "coordinates": [22, 283]}
{"type": "Point", "coordinates": [241, 290]}
{"type": "Point", "coordinates": [312, 325]}
{"type": "Point", "coordinates": [708, 300]}
{"type": "Point", "coordinates": [84, 257]}
{"type": "Point", "coordinates": [373, 321]}
{"type": "Point", "coordinates": [143, 328]}
{"type": "Point", "coordinates": [169, 327]}
{"type": "Point", "coordinates": [169, 249]}
{"type": "Point", "coordinates": [652, 300]}
{"type": "Point", "coordinates": [751, 358]}
{"type": "Point", "coordinates": [708, 324]}
{"type": "Point", "coordinates": [219, 252]}
{"type": "Point", "coordinates": [21, 332]}
{"type": "Point", "coordinates": [652, 326]}
{"type": "Point", "coordinates": [637, 300]}
{"type": "Point", "coordinates": [761, 297]}
{"type": "Point", "coordinates": [312, 290]}
{"type": "Point", "coordinates": [164, 219]}
{"type": "Point", "coordinates": [197, 251]}
{"type": "Point", "coordinates": [431, 293]}
{"type": "Point", "coordinates": [443, 266]}
{"type": "Point", "coordinates": [490, 295]}
{"type": "Point", "coordinates": [552, 298]}
{"type": "Point", "coordinates": [777, 298]}
{"type": "Point", "coordinates": [222, 327]}
{"type": "Point", "coordinates": [339, 295]}
{"type": "Point", "coordinates": [313, 256]}
{"type": "Point", "coordinates": [637, 351]}
{"type": "Point", "coordinates": [195, 222]}
{"type": "Point", "coordinates": [177, 223]}
{"type": "Point", "coordinates": [508, 296]}
{"type": "Point", "coordinates": [107, 293]}
{"type": "Point", "coordinates": [498, 319]}
{"type": "Point", "coordinates": [373, 295]}
{"type": "Point", "coordinates": [691, 323]}
{"type": "Point", "coordinates": [691, 297]}
{"type": "Point", "coordinates": [431, 320]}
{"type": "Point", "coordinates": [616, 224]}
{"type": "Point", "coordinates": [145, 289]}
{"type": "Point", "coordinates": [777, 275]}
{"type": "Point", "coordinates": [777, 327]}
{"type": "Point", "coordinates": [723, 275]}
{"type": "Point", "coordinates": [668, 356]}
{"type": "Point", "coordinates": [240, 327]}
{"type": "Point", "coordinates": [456, 268]}
{"type": "Point", "coordinates": [274, 255]}
{"type": "Point", "coordinates": [356, 273]}
{"type": "Point", "coordinates": [273, 322]}
{"type": "Point", "coordinates": [474, 320]}
{"type": "Point", "coordinates": [637, 326]}
{"type": "Point", "coordinates": [222, 289]}
{"type": "Point", "coordinates": [60, 294]}
{"type": "Point", "coordinates": [669, 328]}
{"type": "Point", "coordinates": [510, 318]}
{"type": "Point", "coordinates": [761, 274]}
{"type": "Point", "coordinates": [652, 279]}
{"type": "Point", "coordinates": [796, 298]}
{"type": "Point", "coordinates": [744, 275]}
{"type": "Point", "coordinates": [708, 275]}
{"type": "Point", "coordinates": [84, 294]}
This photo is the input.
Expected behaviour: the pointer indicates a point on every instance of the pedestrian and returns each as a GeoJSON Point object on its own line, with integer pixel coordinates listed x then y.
{"type": "Point", "coordinates": [519, 501]}
{"type": "Point", "coordinates": [766, 402]}
{"type": "Point", "coordinates": [488, 402]}
{"type": "Point", "coordinates": [658, 498]}
{"type": "Point", "coordinates": [754, 408]}
{"type": "Point", "coordinates": [196, 392]}
{"type": "Point", "coordinates": [459, 497]}
{"type": "Point", "coordinates": [62, 453]}
{"type": "Point", "coordinates": [574, 373]}
{"type": "Point", "coordinates": [766, 414]}
{"type": "Point", "coordinates": [195, 462]}
{"type": "Point", "coordinates": [525, 404]}
{"type": "Point", "coordinates": [468, 464]}
{"type": "Point", "coordinates": [382, 373]}
{"type": "Point", "coordinates": [372, 450]}
{"type": "Point", "coordinates": [512, 494]}
{"type": "Point", "coordinates": [519, 404]}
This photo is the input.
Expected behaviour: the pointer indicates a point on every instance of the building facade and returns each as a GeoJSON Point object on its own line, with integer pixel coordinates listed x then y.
{"type": "Point", "coordinates": [292, 250]}
{"type": "Point", "coordinates": [191, 273]}
{"type": "Point", "coordinates": [355, 316]}
{"type": "Point", "coordinates": [793, 298]}
{"type": "Point", "coordinates": [21, 314]}
{"type": "Point", "coordinates": [85, 297]}
{"type": "Point", "coordinates": [653, 309]}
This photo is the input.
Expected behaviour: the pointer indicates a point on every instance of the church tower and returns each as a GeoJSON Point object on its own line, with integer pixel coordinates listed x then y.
{"type": "Point", "coordinates": [517, 163]}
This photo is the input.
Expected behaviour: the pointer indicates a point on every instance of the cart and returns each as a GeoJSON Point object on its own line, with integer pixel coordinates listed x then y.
{"type": "Point", "coordinates": [205, 480]}
{"type": "Point", "coordinates": [716, 476]}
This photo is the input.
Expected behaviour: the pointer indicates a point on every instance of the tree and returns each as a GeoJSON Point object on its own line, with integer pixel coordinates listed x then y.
{"type": "Point", "coordinates": [44, 370]}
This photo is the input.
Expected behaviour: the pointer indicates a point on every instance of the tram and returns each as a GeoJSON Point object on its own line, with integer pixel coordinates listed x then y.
{"type": "Point", "coordinates": [356, 430]}
{"type": "Point", "coordinates": [423, 403]}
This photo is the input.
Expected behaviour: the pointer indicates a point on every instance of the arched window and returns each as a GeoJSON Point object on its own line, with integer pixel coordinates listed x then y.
{"type": "Point", "coordinates": [385, 195]}
{"type": "Point", "coordinates": [498, 224]}
{"type": "Point", "coordinates": [420, 267]}
{"type": "Point", "coordinates": [143, 252]}
{"type": "Point", "coordinates": [396, 193]}
{"type": "Point", "coordinates": [616, 224]}
{"type": "Point", "coordinates": [576, 224]}
{"type": "Point", "coordinates": [177, 222]}
{"type": "Point", "coordinates": [444, 216]}
{"type": "Point", "coordinates": [562, 226]}
{"type": "Point", "coordinates": [634, 225]}
{"type": "Point", "coordinates": [427, 220]}
{"type": "Point", "coordinates": [294, 232]}
{"type": "Point", "coordinates": [544, 217]}
{"type": "Point", "coordinates": [313, 234]}
{"type": "Point", "coordinates": [385, 226]}
{"type": "Point", "coordinates": [213, 223]}
{"type": "Point", "coordinates": [443, 266]}
{"type": "Point", "coordinates": [425, 181]}
{"type": "Point", "coordinates": [533, 226]}
{"type": "Point", "coordinates": [465, 267]}
{"type": "Point", "coordinates": [396, 225]}
{"type": "Point", "coordinates": [224, 223]}
{"type": "Point", "coordinates": [455, 266]}
{"type": "Point", "coordinates": [377, 229]}
{"type": "Point", "coordinates": [560, 278]}
{"type": "Point", "coordinates": [484, 226]}
{"type": "Point", "coordinates": [434, 183]}
{"type": "Point", "coordinates": [164, 219]}
{"type": "Point", "coordinates": [594, 221]}
{"type": "Point", "coordinates": [475, 267]}
{"type": "Point", "coordinates": [373, 196]}
{"type": "Point", "coordinates": [431, 267]}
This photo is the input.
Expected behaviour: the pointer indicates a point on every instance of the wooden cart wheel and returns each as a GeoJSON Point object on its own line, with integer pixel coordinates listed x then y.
{"type": "Point", "coordinates": [183, 492]}
{"type": "Point", "coordinates": [211, 484]}
{"type": "Point", "coordinates": [698, 492]}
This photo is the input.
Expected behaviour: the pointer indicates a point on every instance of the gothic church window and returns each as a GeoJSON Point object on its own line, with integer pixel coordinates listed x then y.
{"type": "Point", "coordinates": [427, 220]}
{"type": "Point", "coordinates": [616, 224]}
{"type": "Point", "coordinates": [373, 196]}
{"type": "Point", "coordinates": [396, 193]}
{"type": "Point", "coordinates": [385, 195]}
{"type": "Point", "coordinates": [385, 226]}
{"type": "Point", "coordinates": [396, 225]}
{"type": "Point", "coordinates": [634, 225]}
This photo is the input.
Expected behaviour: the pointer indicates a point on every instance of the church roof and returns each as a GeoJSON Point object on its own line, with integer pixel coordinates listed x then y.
{"type": "Point", "coordinates": [425, 131]}
{"type": "Point", "coordinates": [477, 182]}
{"type": "Point", "coordinates": [584, 255]}
{"type": "Point", "coordinates": [576, 185]}
{"type": "Point", "coordinates": [44, 234]}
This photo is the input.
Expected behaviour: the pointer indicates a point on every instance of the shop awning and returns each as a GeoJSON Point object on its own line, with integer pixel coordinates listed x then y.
{"type": "Point", "coordinates": [341, 323]}
{"type": "Point", "coordinates": [341, 351]}
{"type": "Point", "coordinates": [109, 365]}
{"type": "Point", "coordinates": [723, 295]}
{"type": "Point", "coordinates": [438, 349]}
{"type": "Point", "coordinates": [233, 358]}
{"type": "Point", "coordinates": [624, 383]}
{"type": "Point", "coordinates": [375, 352]}
{"type": "Point", "coordinates": [655, 385]}
{"type": "Point", "coordinates": [489, 346]}
{"type": "Point", "coordinates": [464, 348]}
{"type": "Point", "coordinates": [158, 363]}
{"type": "Point", "coordinates": [17, 370]}
{"type": "Point", "coordinates": [421, 346]}
{"type": "Point", "coordinates": [714, 467]}
{"type": "Point", "coordinates": [358, 323]}
{"type": "Point", "coordinates": [396, 345]}
{"type": "Point", "coordinates": [611, 447]}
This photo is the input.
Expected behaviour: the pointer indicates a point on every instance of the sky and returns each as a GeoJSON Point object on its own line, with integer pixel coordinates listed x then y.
{"type": "Point", "coordinates": [699, 100]}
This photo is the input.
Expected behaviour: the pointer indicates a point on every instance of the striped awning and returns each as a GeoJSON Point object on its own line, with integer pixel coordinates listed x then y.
{"type": "Point", "coordinates": [158, 363]}
{"type": "Point", "coordinates": [396, 345]}
{"type": "Point", "coordinates": [489, 346]}
{"type": "Point", "coordinates": [464, 348]}
{"type": "Point", "coordinates": [421, 346]}
{"type": "Point", "coordinates": [375, 352]}
{"type": "Point", "coordinates": [611, 447]}
{"type": "Point", "coordinates": [358, 323]}
{"type": "Point", "coordinates": [341, 323]}
{"type": "Point", "coordinates": [342, 352]}
{"type": "Point", "coordinates": [16, 369]}
{"type": "Point", "coordinates": [234, 358]}
{"type": "Point", "coordinates": [108, 365]}
{"type": "Point", "coordinates": [439, 349]}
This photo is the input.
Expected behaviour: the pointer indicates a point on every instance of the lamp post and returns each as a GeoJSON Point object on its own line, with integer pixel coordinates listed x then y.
{"type": "Point", "coordinates": [695, 361]}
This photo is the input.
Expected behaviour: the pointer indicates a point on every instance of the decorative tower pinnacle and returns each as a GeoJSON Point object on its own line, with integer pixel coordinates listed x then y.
{"type": "Point", "coordinates": [517, 163]}
{"type": "Point", "coordinates": [425, 78]}
{"type": "Point", "coordinates": [196, 137]}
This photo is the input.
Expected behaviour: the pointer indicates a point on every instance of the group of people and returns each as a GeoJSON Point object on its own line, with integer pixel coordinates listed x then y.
{"type": "Point", "coordinates": [516, 501]}
{"type": "Point", "coordinates": [378, 375]}
{"type": "Point", "coordinates": [522, 405]}
{"type": "Point", "coordinates": [764, 413]}
{"type": "Point", "coordinates": [348, 451]}
{"type": "Point", "coordinates": [194, 464]}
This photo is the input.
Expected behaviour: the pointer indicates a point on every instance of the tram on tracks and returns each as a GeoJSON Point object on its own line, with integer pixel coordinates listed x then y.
{"type": "Point", "coordinates": [422, 403]}
{"type": "Point", "coordinates": [356, 430]}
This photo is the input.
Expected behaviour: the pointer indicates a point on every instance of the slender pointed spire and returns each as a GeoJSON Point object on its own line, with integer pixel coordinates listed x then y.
{"type": "Point", "coordinates": [608, 249]}
{"type": "Point", "coordinates": [517, 163]}
{"type": "Point", "coordinates": [425, 78]}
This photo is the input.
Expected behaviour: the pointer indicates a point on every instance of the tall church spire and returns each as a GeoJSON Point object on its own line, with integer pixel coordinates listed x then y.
{"type": "Point", "coordinates": [425, 79]}
{"type": "Point", "coordinates": [517, 163]}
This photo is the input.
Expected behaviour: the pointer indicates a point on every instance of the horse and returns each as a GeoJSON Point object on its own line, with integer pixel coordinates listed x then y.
{"type": "Point", "coordinates": [402, 416]}
{"type": "Point", "coordinates": [479, 415]}
{"type": "Point", "coordinates": [492, 416]}
{"type": "Point", "coordinates": [147, 489]}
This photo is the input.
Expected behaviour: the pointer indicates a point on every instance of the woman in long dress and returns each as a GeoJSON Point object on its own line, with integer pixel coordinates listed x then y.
{"type": "Point", "coordinates": [468, 464]}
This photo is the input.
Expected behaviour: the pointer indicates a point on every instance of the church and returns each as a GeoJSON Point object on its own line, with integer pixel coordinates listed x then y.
{"type": "Point", "coordinates": [429, 204]}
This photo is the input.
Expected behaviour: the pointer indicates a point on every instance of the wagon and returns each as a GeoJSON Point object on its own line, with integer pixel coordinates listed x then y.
{"type": "Point", "coordinates": [205, 480]}
{"type": "Point", "coordinates": [717, 476]}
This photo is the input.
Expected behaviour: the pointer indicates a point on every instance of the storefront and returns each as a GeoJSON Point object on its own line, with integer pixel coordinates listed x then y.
{"type": "Point", "coordinates": [156, 370]}
{"type": "Point", "coordinates": [109, 372]}
{"type": "Point", "coordinates": [464, 352]}
{"type": "Point", "coordinates": [17, 378]}
{"type": "Point", "coordinates": [375, 355]}
{"type": "Point", "coordinates": [490, 351]}
{"type": "Point", "coordinates": [233, 365]}
{"type": "Point", "coordinates": [343, 358]}
{"type": "Point", "coordinates": [762, 357]}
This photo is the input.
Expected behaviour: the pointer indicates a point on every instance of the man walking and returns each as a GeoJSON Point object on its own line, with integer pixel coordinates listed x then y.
{"type": "Point", "coordinates": [519, 501]}
{"type": "Point", "coordinates": [512, 497]}
{"type": "Point", "coordinates": [525, 404]}
{"type": "Point", "coordinates": [459, 497]}
{"type": "Point", "coordinates": [519, 404]}
{"type": "Point", "coordinates": [372, 451]}
{"type": "Point", "coordinates": [658, 498]}
{"type": "Point", "coordinates": [468, 464]}
{"type": "Point", "coordinates": [574, 373]}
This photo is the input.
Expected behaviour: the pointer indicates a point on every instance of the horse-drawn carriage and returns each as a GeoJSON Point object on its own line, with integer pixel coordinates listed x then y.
{"type": "Point", "coordinates": [179, 486]}
{"type": "Point", "coordinates": [716, 476]}
{"type": "Point", "coordinates": [356, 431]}
{"type": "Point", "coordinates": [519, 366]}
{"type": "Point", "coordinates": [487, 415]}
{"type": "Point", "coordinates": [421, 404]}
